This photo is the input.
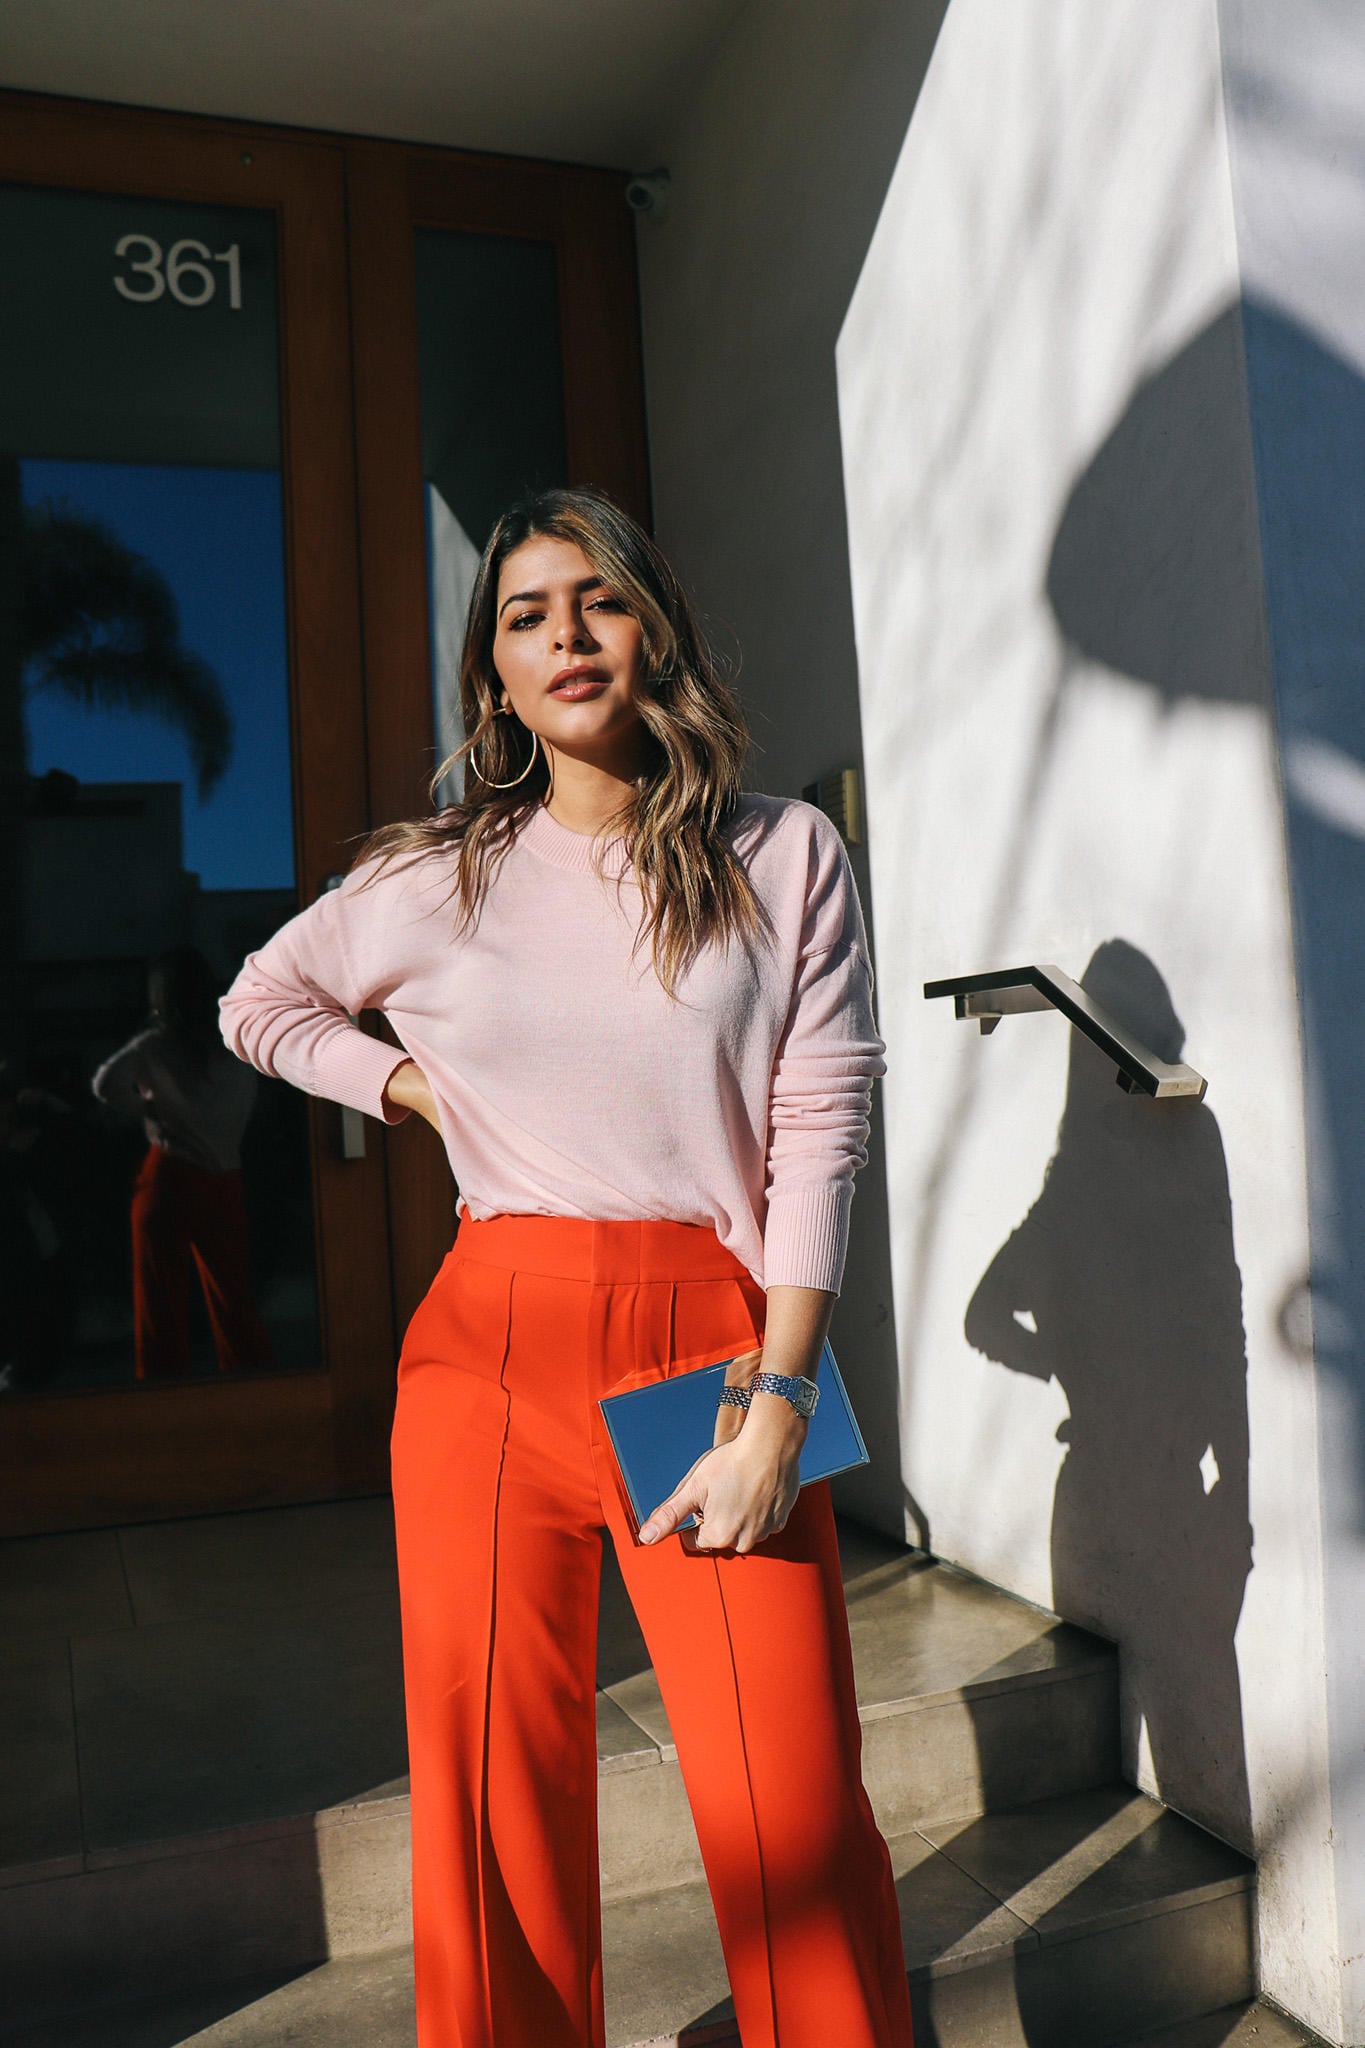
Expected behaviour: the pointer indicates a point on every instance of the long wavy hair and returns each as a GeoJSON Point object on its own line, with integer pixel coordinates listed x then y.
{"type": "Point", "coordinates": [694, 888]}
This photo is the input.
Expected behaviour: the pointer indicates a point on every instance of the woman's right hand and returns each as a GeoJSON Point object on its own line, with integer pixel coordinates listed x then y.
{"type": "Point", "coordinates": [408, 1088]}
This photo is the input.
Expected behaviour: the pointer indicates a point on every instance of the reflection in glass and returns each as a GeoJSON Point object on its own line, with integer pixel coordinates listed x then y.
{"type": "Point", "coordinates": [492, 420]}
{"type": "Point", "coordinates": [194, 1102]}
{"type": "Point", "coordinates": [157, 1217]}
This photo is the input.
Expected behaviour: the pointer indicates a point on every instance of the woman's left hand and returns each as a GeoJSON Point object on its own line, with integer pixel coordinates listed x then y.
{"type": "Point", "coordinates": [741, 1491]}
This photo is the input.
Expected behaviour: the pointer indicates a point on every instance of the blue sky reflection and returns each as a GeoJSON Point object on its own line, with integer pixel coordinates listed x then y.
{"type": "Point", "coordinates": [216, 536]}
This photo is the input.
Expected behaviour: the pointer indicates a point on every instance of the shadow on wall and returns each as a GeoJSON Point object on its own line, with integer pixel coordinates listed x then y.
{"type": "Point", "coordinates": [1153, 567]}
{"type": "Point", "coordinates": [1156, 561]}
{"type": "Point", "coordinates": [1155, 571]}
{"type": "Point", "coordinates": [1122, 1284]}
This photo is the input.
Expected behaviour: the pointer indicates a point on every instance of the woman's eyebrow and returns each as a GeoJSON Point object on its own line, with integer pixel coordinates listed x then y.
{"type": "Point", "coordinates": [538, 596]}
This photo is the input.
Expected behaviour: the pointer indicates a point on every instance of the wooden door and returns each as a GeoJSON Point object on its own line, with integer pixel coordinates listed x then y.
{"type": "Point", "coordinates": [184, 762]}
{"type": "Point", "coordinates": [238, 489]}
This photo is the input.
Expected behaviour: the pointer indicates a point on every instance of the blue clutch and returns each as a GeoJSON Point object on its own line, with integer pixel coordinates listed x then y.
{"type": "Point", "coordinates": [659, 1432]}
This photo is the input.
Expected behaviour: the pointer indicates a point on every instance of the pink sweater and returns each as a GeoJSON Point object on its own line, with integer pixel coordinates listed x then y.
{"type": "Point", "coordinates": [568, 1083]}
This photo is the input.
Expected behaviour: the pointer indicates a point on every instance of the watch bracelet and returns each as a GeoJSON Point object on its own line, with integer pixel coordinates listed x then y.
{"type": "Point", "coordinates": [742, 1397]}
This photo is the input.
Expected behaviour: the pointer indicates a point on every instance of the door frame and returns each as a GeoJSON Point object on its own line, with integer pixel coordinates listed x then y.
{"type": "Point", "coordinates": [360, 674]}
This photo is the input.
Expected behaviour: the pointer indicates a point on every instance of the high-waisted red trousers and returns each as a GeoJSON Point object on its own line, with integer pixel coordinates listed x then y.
{"type": "Point", "coordinates": [502, 1482]}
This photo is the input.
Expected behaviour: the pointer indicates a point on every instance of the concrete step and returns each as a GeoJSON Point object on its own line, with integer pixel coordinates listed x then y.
{"type": "Point", "coordinates": [1237, 2026]}
{"type": "Point", "coordinates": [970, 1702]}
{"type": "Point", "coordinates": [1075, 1923]}
{"type": "Point", "coordinates": [363, 2002]}
{"type": "Point", "coordinates": [190, 1856]}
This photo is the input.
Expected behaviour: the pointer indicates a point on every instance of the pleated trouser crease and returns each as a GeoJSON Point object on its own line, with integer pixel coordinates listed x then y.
{"type": "Point", "coordinates": [503, 1480]}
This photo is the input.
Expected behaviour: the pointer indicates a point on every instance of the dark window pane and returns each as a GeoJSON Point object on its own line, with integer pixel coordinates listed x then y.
{"type": "Point", "coordinates": [147, 842]}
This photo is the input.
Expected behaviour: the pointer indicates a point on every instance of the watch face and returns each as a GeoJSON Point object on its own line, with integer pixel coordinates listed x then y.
{"type": "Point", "coordinates": [801, 1393]}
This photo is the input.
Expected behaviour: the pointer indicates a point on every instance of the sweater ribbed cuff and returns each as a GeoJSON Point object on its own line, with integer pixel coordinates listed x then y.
{"type": "Point", "coordinates": [354, 1068]}
{"type": "Point", "coordinates": [805, 1240]}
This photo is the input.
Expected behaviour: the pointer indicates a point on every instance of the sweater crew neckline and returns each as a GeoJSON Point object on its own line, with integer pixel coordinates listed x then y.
{"type": "Point", "coordinates": [574, 851]}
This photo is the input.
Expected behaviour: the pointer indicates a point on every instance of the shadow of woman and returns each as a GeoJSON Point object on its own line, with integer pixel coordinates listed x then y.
{"type": "Point", "coordinates": [1122, 1283]}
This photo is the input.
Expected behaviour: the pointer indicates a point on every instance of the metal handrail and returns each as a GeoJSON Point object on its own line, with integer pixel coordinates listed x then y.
{"type": "Point", "coordinates": [1009, 991]}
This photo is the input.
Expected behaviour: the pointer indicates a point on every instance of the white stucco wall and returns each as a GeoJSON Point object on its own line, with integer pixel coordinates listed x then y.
{"type": "Point", "coordinates": [961, 355]}
{"type": "Point", "coordinates": [1042, 328]}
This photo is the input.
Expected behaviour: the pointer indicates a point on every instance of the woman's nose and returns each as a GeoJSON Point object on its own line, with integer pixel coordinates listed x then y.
{"type": "Point", "coordinates": [572, 631]}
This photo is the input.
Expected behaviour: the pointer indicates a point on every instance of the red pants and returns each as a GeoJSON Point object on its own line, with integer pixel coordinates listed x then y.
{"type": "Point", "coordinates": [502, 1481]}
{"type": "Point", "coordinates": [182, 1213]}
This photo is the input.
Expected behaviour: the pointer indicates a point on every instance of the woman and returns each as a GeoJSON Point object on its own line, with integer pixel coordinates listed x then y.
{"type": "Point", "coordinates": [188, 1211]}
{"type": "Point", "coordinates": [636, 1004]}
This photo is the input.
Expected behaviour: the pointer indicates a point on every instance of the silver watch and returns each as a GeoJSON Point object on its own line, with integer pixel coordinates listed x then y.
{"type": "Point", "coordinates": [802, 1393]}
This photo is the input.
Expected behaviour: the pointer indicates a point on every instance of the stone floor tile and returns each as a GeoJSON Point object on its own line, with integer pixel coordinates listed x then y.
{"type": "Point", "coordinates": [150, 2023]}
{"type": "Point", "coordinates": [360, 2003]}
{"type": "Point", "coordinates": [946, 1918]}
{"type": "Point", "coordinates": [51, 1585]}
{"type": "Point", "coordinates": [267, 1562]}
{"type": "Point", "coordinates": [40, 1804]}
{"type": "Point", "coordinates": [924, 1633]}
{"type": "Point", "coordinates": [622, 1744]}
{"type": "Point", "coordinates": [366, 2000]}
{"type": "Point", "coordinates": [639, 1697]}
{"type": "Point", "coordinates": [685, 1983]}
{"type": "Point", "coordinates": [209, 1723]}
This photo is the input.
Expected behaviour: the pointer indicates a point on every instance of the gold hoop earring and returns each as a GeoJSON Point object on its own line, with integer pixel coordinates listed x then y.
{"type": "Point", "coordinates": [503, 712]}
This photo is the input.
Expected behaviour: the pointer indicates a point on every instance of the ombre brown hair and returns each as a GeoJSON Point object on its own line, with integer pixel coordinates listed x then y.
{"type": "Point", "coordinates": [694, 887]}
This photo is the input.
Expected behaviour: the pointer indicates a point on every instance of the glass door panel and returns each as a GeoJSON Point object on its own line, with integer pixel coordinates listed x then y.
{"type": "Point", "coordinates": [492, 401]}
{"type": "Point", "coordinates": [195, 1302]}
{"type": "Point", "coordinates": [161, 1222]}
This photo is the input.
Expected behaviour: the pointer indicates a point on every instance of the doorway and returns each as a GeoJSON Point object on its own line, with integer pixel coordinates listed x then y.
{"type": "Point", "coordinates": [262, 393]}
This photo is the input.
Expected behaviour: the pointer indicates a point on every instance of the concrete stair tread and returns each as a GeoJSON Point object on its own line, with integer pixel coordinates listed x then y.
{"type": "Point", "coordinates": [1088, 1860]}
{"type": "Point", "coordinates": [969, 1700]}
{"type": "Point", "coordinates": [367, 2003]}
{"type": "Point", "coordinates": [276, 1832]}
{"type": "Point", "coordinates": [166, 1680]}
{"type": "Point", "coordinates": [138, 1716]}
{"type": "Point", "coordinates": [357, 2002]}
{"type": "Point", "coordinates": [1239, 2026]}
{"type": "Point", "coordinates": [975, 1895]}
{"type": "Point", "coordinates": [972, 1892]}
{"type": "Point", "coordinates": [923, 1635]}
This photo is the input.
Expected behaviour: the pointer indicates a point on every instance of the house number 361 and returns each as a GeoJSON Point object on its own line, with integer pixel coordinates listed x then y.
{"type": "Point", "coordinates": [182, 270]}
